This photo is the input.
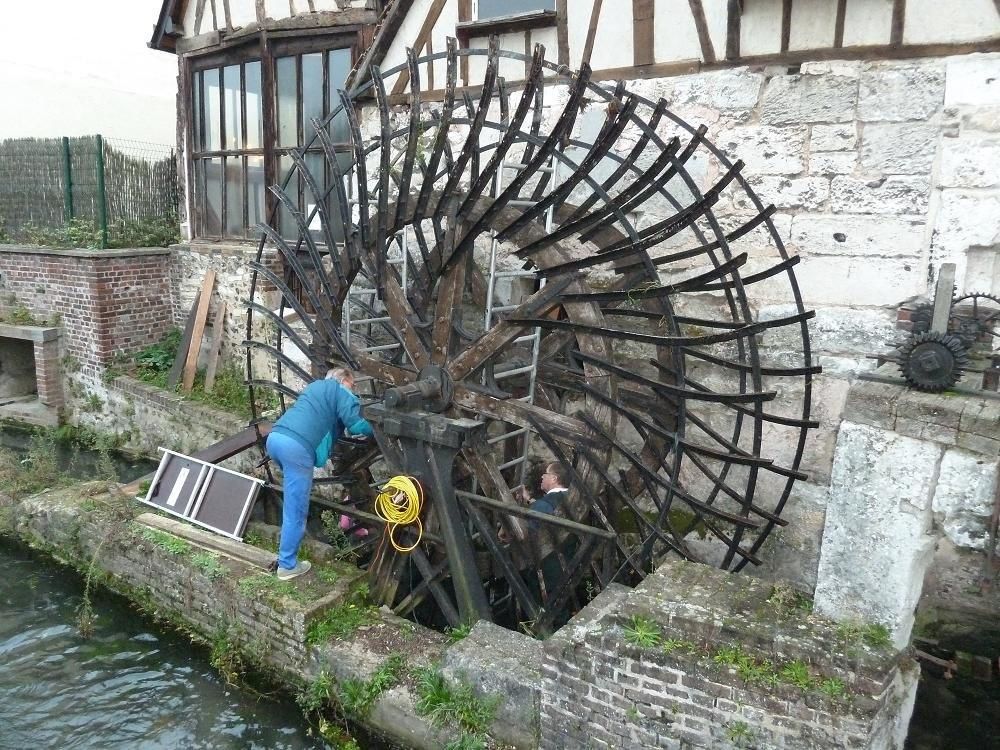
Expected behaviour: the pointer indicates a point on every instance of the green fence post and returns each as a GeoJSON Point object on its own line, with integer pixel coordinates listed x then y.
{"type": "Point", "coordinates": [67, 182]}
{"type": "Point", "coordinates": [102, 196]}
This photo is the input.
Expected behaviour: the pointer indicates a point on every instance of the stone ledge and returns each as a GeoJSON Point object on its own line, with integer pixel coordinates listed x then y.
{"type": "Point", "coordinates": [73, 252]}
{"type": "Point", "coordinates": [38, 334]}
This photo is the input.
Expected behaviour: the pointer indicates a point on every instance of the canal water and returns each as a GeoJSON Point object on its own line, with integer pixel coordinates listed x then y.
{"type": "Point", "coordinates": [130, 685]}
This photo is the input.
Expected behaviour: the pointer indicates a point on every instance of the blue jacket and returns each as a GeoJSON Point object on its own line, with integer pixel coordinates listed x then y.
{"type": "Point", "coordinates": [324, 407]}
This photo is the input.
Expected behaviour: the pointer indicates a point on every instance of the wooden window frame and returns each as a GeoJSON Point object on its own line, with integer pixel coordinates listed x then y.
{"type": "Point", "coordinates": [266, 50]}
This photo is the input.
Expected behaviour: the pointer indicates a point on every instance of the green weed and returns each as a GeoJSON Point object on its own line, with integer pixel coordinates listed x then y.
{"type": "Point", "coordinates": [833, 687]}
{"type": "Point", "coordinates": [317, 694]}
{"type": "Point", "coordinates": [209, 564]}
{"type": "Point", "coordinates": [877, 636]}
{"type": "Point", "coordinates": [679, 644]}
{"type": "Point", "coordinates": [165, 541]}
{"type": "Point", "coordinates": [740, 734]}
{"type": "Point", "coordinates": [269, 587]}
{"type": "Point", "coordinates": [342, 620]}
{"type": "Point", "coordinates": [642, 632]}
{"type": "Point", "coordinates": [458, 705]}
{"type": "Point", "coordinates": [797, 673]}
{"type": "Point", "coordinates": [357, 697]}
{"type": "Point", "coordinates": [459, 633]}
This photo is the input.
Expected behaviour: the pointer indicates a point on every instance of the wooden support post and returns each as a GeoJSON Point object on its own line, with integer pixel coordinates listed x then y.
{"type": "Point", "coordinates": [214, 349]}
{"type": "Point", "coordinates": [201, 313]}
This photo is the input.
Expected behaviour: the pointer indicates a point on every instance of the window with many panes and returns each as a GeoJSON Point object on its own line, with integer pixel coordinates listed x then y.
{"type": "Point", "coordinates": [496, 8]}
{"type": "Point", "coordinates": [246, 118]}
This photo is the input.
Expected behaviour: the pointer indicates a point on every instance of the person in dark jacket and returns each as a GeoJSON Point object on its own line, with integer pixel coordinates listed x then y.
{"type": "Point", "coordinates": [324, 408]}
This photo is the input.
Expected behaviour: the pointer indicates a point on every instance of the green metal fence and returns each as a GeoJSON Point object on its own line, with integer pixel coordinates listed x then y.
{"type": "Point", "coordinates": [87, 192]}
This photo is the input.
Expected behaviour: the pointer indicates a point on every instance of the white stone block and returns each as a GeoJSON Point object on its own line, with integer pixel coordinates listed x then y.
{"type": "Point", "coordinates": [973, 80]}
{"type": "Point", "coordinates": [895, 92]}
{"type": "Point", "coordinates": [877, 543]}
{"type": "Point", "coordinates": [847, 234]}
{"type": "Point", "coordinates": [833, 137]}
{"type": "Point", "coordinates": [796, 99]}
{"type": "Point", "coordinates": [898, 148]}
{"type": "Point", "coordinates": [764, 149]}
{"type": "Point", "coordinates": [834, 330]}
{"type": "Point", "coordinates": [985, 118]}
{"type": "Point", "coordinates": [832, 162]}
{"type": "Point", "coordinates": [788, 192]}
{"type": "Point", "coordinates": [973, 160]}
{"type": "Point", "coordinates": [892, 195]}
{"type": "Point", "coordinates": [965, 220]}
{"type": "Point", "coordinates": [964, 497]}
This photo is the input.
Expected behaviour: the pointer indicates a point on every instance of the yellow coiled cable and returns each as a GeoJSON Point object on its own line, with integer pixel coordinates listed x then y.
{"type": "Point", "coordinates": [399, 503]}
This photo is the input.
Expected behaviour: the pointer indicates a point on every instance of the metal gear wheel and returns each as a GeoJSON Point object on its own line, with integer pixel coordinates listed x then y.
{"type": "Point", "coordinates": [932, 361]}
{"type": "Point", "coordinates": [972, 315]}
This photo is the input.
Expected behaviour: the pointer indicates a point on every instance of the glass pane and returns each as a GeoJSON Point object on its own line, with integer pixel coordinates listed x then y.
{"type": "Point", "coordinates": [255, 191]}
{"type": "Point", "coordinates": [213, 115]}
{"type": "Point", "coordinates": [316, 163]}
{"type": "Point", "coordinates": [340, 66]}
{"type": "Point", "coordinates": [255, 108]}
{"type": "Point", "coordinates": [494, 8]}
{"type": "Point", "coordinates": [211, 202]}
{"type": "Point", "coordinates": [312, 93]}
{"type": "Point", "coordinates": [232, 107]}
{"type": "Point", "coordinates": [286, 223]}
{"type": "Point", "coordinates": [196, 107]}
{"type": "Point", "coordinates": [234, 197]}
{"type": "Point", "coordinates": [286, 109]}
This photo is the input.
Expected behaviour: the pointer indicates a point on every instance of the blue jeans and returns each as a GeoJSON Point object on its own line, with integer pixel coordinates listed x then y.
{"type": "Point", "coordinates": [296, 465]}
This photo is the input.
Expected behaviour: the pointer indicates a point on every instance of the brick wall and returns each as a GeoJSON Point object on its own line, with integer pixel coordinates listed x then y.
{"type": "Point", "coordinates": [108, 301]}
{"type": "Point", "coordinates": [683, 690]}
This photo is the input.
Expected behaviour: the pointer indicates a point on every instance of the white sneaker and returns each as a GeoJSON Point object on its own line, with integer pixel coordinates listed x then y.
{"type": "Point", "coordinates": [302, 566]}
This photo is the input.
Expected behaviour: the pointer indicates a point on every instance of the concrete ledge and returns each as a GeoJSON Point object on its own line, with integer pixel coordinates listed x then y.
{"type": "Point", "coordinates": [38, 334]}
{"type": "Point", "coordinates": [74, 252]}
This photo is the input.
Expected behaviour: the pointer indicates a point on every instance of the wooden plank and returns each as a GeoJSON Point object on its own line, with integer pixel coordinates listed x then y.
{"type": "Point", "coordinates": [199, 15]}
{"type": "Point", "coordinates": [191, 364]}
{"type": "Point", "coordinates": [182, 349]}
{"type": "Point", "coordinates": [898, 20]}
{"type": "Point", "coordinates": [734, 14]}
{"type": "Point", "coordinates": [562, 31]}
{"type": "Point", "coordinates": [228, 14]}
{"type": "Point", "coordinates": [215, 17]}
{"type": "Point", "coordinates": [238, 550]}
{"type": "Point", "coordinates": [433, 14]}
{"type": "Point", "coordinates": [430, 66]}
{"type": "Point", "coordinates": [588, 47]}
{"type": "Point", "coordinates": [260, 12]}
{"type": "Point", "coordinates": [449, 302]}
{"type": "Point", "coordinates": [701, 24]}
{"type": "Point", "coordinates": [786, 24]}
{"type": "Point", "coordinates": [216, 346]}
{"type": "Point", "coordinates": [464, 14]}
{"type": "Point", "coordinates": [838, 29]}
{"type": "Point", "coordinates": [642, 32]}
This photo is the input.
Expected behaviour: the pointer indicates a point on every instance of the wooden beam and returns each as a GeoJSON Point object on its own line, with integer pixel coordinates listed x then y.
{"type": "Point", "coordinates": [786, 24]}
{"type": "Point", "coordinates": [199, 15]}
{"type": "Point", "coordinates": [260, 11]}
{"type": "Point", "coordinates": [562, 31]}
{"type": "Point", "coordinates": [701, 24]}
{"type": "Point", "coordinates": [182, 349]}
{"type": "Point", "coordinates": [464, 15]}
{"type": "Point", "coordinates": [734, 12]}
{"type": "Point", "coordinates": [201, 313]}
{"type": "Point", "coordinates": [588, 47]}
{"type": "Point", "coordinates": [228, 14]}
{"type": "Point", "coordinates": [216, 346]}
{"type": "Point", "coordinates": [838, 29]}
{"type": "Point", "coordinates": [898, 20]}
{"type": "Point", "coordinates": [642, 32]}
{"type": "Point", "coordinates": [433, 14]}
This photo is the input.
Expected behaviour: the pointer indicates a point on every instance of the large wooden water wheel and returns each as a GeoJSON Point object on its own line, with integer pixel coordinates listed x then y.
{"type": "Point", "coordinates": [579, 264]}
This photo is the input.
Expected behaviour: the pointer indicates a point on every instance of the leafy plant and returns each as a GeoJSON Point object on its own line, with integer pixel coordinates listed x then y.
{"type": "Point", "coordinates": [796, 673]}
{"type": "Point", "coordinates": [156, 360]}
{"type": "Point", "coordinates": [679, 644]}
{"type": "Point", "coordinates": [341, 620]}
{"type": "Point", "coordinates": [740, 733]}
{"type": "Point", "coordinates": [315, 695]}
{"type": "Point", "coordinates": [833, 687]}
{"type": "Point", "coordinates": [157, 231]}
{"type": "Point", "coordinates": [729, 656]}
{"type": "Point", "coordinates": [357, 697]}
{"type": "Point", "coordinates": [269, 587]}
{"type": "Point", "coordinates": [642, 631]}
{"type": "Point", "coordinates": [208, 564]}
{"type": "Point", "coordinates": [877, 636]}
{"type": "Point", "coordinates": [165, 541]}
{"type": "Point", "coordinates": [459, 633]}
{"type": "Point", "coordinates": [459, 705]}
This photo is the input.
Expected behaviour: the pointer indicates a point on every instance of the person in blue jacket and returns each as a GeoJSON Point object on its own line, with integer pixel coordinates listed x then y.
{"type": "Point", "coordinates": [320, 414]}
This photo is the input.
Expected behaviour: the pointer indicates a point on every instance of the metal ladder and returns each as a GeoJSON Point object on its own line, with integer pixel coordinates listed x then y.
{"type": "Point", "coordinates": [534, 338]}
{"type": "Point", "coordinates": [397, 254]}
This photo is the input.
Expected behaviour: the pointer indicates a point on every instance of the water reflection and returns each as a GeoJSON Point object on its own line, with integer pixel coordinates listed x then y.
{"type": "Point", "coordinates": [124, 687]}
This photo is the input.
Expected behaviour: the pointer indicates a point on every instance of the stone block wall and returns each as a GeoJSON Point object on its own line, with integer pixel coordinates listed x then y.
{"type": "Point", "coordinates": [107, 301]}
{"type": "Point", "coordinates": [912, 495]}
{"type": "Point", "coordinates": [601, 689]}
